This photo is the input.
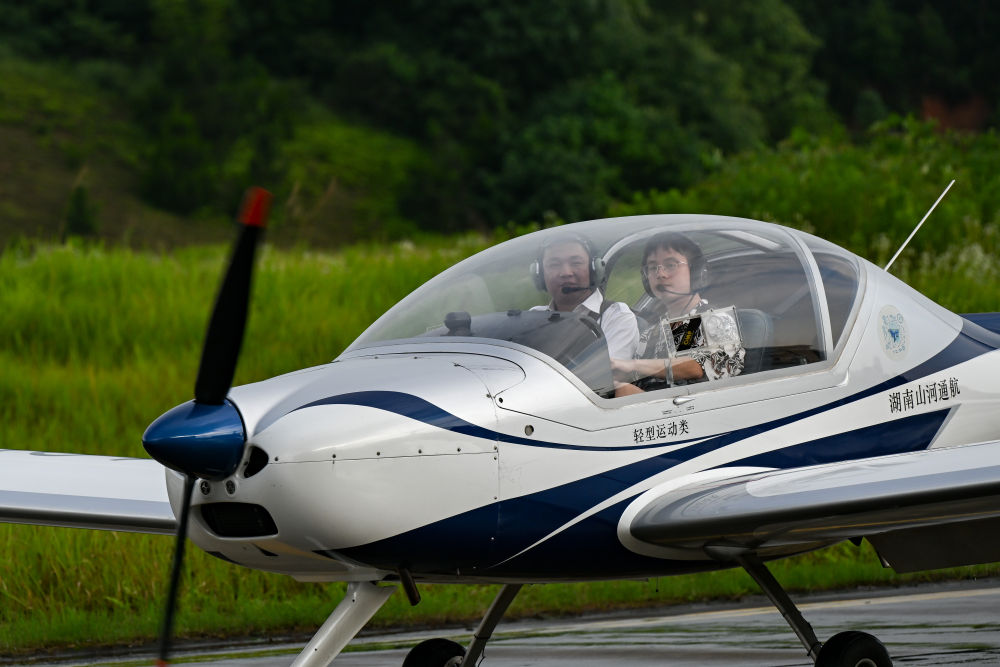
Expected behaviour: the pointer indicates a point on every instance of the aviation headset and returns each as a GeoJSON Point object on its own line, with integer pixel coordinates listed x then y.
{"type": "Point", "coordinates": [597, 264]}
{"type": "Point", "coordinates": [685, 246]}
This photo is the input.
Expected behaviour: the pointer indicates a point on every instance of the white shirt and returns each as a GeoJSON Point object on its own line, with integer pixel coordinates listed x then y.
{"type": "Point", "coordinates": [618, 323]}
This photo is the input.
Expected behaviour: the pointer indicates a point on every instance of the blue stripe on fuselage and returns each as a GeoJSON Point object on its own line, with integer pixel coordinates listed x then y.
{"type": "Point", "coordinates": [906, 434]}
{"type": "Point", "coordinates": [414, 407]}
{"type": "Point", "coordinates": [591, 548]}
{"type": "Point", "coordinates": [525, 520]}
{"type": "Point", "coordinates": [967, 345]}
{"type": "Point", "coordinates": [407, 405]}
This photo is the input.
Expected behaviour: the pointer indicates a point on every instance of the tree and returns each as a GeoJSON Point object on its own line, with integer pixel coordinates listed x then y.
{"type": "Point", "coordinates": [213, 118]}
{"type": "Point", "coordinates": [774, 52]}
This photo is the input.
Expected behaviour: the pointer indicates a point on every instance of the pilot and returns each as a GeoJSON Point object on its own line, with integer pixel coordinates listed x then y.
{"type": "Point", "coordinates": [570, 272]}
{"type": "Point", "coordinates": [673, 270]}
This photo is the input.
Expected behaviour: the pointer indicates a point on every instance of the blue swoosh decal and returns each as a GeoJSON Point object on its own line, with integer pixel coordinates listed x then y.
{"type": "Point", "coordinates": [407, 405]}
{"type": "Point", "coordinates": [962, 348]}
{"type": "Point", "coordinates": [523, 520]}
{"type": "Point", "coordinates": [414, 407]}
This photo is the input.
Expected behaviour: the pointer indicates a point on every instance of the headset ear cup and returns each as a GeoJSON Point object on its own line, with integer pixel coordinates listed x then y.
{"type": "Point", "coordinates": [535, 270]}
{"type": "Point", "coordinates": [645, 284]}
{"type": "Point", "coordinates": [598, 269]}
{"type": "Point", "coordinates": [702, 278]}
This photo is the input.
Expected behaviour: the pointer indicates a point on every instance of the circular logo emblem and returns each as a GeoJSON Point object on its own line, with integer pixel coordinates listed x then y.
{"type": "Point", "coordinates": [892, 328]}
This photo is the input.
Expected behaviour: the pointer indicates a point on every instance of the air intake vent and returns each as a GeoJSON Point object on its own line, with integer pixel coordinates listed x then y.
{"type": "Point", "coordinates": [238, 520]}
{"type": "Point", "coordinates": [255, 462]}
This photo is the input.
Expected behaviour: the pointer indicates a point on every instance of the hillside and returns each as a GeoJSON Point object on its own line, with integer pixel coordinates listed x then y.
{"type": "Point", "coordinates": [62, 128]}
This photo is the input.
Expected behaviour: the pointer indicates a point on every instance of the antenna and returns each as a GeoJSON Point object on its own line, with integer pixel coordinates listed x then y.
{"type": "Point", "coordinates": [917, 228]}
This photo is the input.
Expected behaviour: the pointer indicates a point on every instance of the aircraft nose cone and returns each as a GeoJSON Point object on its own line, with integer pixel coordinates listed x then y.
{"type": "Point", "coordinates": [198, 439]}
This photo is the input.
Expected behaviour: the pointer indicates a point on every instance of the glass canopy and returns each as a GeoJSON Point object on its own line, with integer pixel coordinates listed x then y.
{"type": "Point", "coordinates": [790, 293]}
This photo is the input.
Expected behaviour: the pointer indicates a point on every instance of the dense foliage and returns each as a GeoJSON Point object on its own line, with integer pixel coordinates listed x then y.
{"type": "Point", "coordinates": [504, 111]}
{"type": "Point", "coordinates": [898, 55]}
{"type": "Point", "coordinates": [867, 197]}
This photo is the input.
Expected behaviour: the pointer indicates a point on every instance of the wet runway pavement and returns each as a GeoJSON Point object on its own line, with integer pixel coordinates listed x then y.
{"type": "Point", "coordinates": [950, 624]}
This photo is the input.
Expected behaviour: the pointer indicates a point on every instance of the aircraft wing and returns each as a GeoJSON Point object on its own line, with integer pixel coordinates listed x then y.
{"type": "Point", "coordinates": [921, 510]}
{"type": "Point", "coordinates": [82, 491]}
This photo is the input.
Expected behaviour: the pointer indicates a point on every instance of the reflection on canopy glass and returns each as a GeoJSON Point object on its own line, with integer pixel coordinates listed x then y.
{"type": "Point", "coordinates": [791, 293]}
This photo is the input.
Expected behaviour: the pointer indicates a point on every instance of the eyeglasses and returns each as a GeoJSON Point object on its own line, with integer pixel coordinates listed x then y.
{"type": "Point", "coordinates": [668, 266]}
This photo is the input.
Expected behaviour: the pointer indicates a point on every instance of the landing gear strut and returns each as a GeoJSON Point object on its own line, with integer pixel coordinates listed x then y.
{"type": "Point", "coordinates": [446, 653]}
{"type": "Point", "coordinates": [846, 649]}
{"type": "Point", "coordinates": [360, 603]}
{"type": "Point", "coordinates": [779, 598]}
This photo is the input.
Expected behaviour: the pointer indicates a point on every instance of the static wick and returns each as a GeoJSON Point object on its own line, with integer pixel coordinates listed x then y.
{"type": "Point", "coordinates": [917, 228]}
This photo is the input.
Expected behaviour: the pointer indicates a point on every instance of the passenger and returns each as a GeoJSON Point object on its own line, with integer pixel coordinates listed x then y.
{"type": "Point", "coordinates": [570, 272]}
{"type": "Point", "coordinates": [673, 270]}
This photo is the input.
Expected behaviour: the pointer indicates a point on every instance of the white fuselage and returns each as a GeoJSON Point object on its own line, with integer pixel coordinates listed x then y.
{"type": "Point", "coordinates": [460, 459]}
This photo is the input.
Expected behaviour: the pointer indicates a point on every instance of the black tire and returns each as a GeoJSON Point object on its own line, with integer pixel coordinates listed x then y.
{"type": "Point", "coordinates": [433, 653]}
{"type": "Point", "coordinates": [853, 649]}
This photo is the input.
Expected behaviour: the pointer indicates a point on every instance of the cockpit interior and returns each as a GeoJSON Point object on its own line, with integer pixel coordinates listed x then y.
{"type": "Point", "coordinates": [792, 295]}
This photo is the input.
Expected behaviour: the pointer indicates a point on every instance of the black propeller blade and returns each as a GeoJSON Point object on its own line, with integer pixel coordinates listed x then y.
{"type": "Point", "coordinates": [173, 439]}
{"type": "Point", "coordinates": [167, 627]}
{"type": "Point", "coordinates": [225, 330]}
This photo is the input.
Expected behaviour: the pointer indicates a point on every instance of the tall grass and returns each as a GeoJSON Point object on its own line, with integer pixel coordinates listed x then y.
{"type": "Point", "coordinates": [98, 341]}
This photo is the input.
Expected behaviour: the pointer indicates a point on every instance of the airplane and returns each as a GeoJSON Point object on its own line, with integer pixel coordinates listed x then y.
{"type": "Point", "coordinates": [466, 438]}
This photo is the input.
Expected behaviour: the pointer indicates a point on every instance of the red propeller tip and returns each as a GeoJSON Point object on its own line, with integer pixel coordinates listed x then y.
{"type": "Point", "coordinates": [256, 204]}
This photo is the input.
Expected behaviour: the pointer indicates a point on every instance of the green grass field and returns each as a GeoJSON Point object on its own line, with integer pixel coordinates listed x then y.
{"type": "Point", "coordinates": [99, 341]}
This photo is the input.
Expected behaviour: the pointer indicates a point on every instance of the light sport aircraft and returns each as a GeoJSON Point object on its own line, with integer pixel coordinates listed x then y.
{"type": "Point", "coordinates": [466, 438]}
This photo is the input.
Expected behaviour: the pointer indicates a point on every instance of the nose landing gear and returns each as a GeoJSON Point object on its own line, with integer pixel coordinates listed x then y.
{"type": "Point", "coordinates": [435, 652]}
{"type": "Point", "coordinates": [446, 653]}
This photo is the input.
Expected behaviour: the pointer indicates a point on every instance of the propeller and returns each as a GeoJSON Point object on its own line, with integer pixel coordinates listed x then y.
{"type": "Point", "coordinates": [204, 438]}
{"type": "Point", "coordinates": [225, 330]}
